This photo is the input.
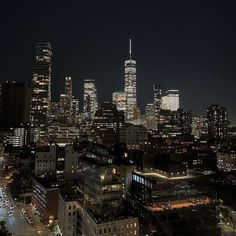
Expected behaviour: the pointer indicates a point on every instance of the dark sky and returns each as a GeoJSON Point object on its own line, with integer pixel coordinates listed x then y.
{"type": "Point", "coordinates": [186, 45]}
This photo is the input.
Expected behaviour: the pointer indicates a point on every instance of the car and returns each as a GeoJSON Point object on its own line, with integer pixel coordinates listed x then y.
{"type": "Point", "coordinates": [10, 213]}
{"type": "Point", "coordinates": [30, 221]}
{"type": "Point", "coordinates": [11, 207]}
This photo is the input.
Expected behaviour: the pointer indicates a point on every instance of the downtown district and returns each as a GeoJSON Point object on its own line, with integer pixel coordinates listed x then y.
{"type": "Point", "coordinates": [108, 169]}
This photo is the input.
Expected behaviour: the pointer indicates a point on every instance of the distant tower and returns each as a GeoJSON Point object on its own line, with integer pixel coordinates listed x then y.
{"type": "Point", "coordinates": [170, 101]}
{"type": "Point", "coordinates": [157, 102]}
{"type": "Point", "coordinates": [90, 99]}
{"type": "Point", "coordinates": [119, 99]}
{"type": "Point", "coordinates": [68, 97]}
{"type": "Point", "coordinates": [74, 110]}
{"type": "Point", "coordinates": [130, 86]}
{"type": "Point", "coordinates": [41, 84]}
{"type": "Point", "coordinates": [217, 121]}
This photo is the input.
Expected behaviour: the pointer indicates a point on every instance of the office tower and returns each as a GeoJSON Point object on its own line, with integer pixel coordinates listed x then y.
{"type": "Point", "coordinates": [134, 136]}
{"type": "Point", "coordinates": [68, 97]}
{"type": "Point", "coordinates": [15, 99]}
{"type": "Point", "coordinates": [68, 87]}
{"type": "Point", "coordinates": [62, 104]}
{"type": "Point", "coordinates": [90, 99]}
{"type": "Point", "coordinates": [217, 121]}
{"type": "Point", "coordinates": [157, 103]}
{"type": "Point", "coordinates": [183, 120]}
{"type": "Point", "coordinates": [150, 119]}
{"type": "Point", "coordinates": [41, 83]}
{"type": "Point", "coordinates": [119, 99]}
{"type": "Point", "coordinates": [65, 102]}
{"type": "Point", "coordinates": [226, 159]}
{"type": "Point", "coordinates": [149, 110]}
{"type": "Point", "coordinates": [130, 86]}
{"type": "Point", "coordinates": [23, 135]}
{"type": "Point", "coordinates": [74, 110]}
{"type": "Point", "coordinates": [54, 111]}
{"type": "Point", "coordinates": [170, 101]}
{"type": "Point", "coordinates": [107, 123]}
{"type": "Point", "coordinates": [199, 126]}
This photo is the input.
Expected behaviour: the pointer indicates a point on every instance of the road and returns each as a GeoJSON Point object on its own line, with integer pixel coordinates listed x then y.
{"type": "Point", "coordinates": [16, 222]}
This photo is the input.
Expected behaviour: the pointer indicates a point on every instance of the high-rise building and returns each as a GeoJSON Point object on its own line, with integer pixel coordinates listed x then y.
{"type": "Point", "coordinates": [170, 101]}
{"type": "Point", "coordinates": [65, 102]}
{"type": "Point", "coordinates": [119, 99]}
{"type": "Point", "coordinates": [134, 136]}
{"type": "Point", "coordinates": [150, 119]}
{"type": "Point", "coordinates": [74, 110]}
{"type": "Point", "coordinates": [23, 135]}
{"type": "Point", "coordinates": [130, 86]}
{"type": "Point", "coordinates": [149, 110]}
{"type": "Point", "coordinates": [157, 103]}
{"type": "Point", "coordinates": [68, 87]}
{"type": "Point", "coordinates": [107, 123]}
{"type": "Point", "coordinates": [41, 83]}
{"type": "Point", "coordinates": [68, 97]}
{"type": "Point", "coordinates": [54, 111]}
{"type": "Point", "coordinates": [183, 119]}
{"type": "Point", "coordinates": [90, 99]}
{"type": "Point", "coordinates": [217, 121]}
{"type": "Point", "coordinates": [15, 99]}
{"type": "Point", "coordinates": [199, 126]}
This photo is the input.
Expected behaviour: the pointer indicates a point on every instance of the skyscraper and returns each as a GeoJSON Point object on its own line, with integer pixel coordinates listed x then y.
{"type": "Point", "coordinates": [217, 121]}
{"type": "Point", "coordinates": [90, 99]}
{"type": "Point", "coordinates": [157, 102]}
{"type": "Point", "coordinates": [170, 101]}
{"type": "Point", "coordinates": [119, 99]}
{"type": "Point", "coordinates": [74, 110]}
{"type": "Point", "coordinates": [41, 84]}
{"type": "Point", "coordinates": [65, 100]}
{"type": "Point", "coordinates": [130, 86]}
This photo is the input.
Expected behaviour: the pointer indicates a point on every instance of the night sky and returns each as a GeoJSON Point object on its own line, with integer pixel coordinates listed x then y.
{"type": "Point", "coordinates": [186, 45]}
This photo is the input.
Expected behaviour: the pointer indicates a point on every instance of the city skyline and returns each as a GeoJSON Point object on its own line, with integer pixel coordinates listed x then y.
{"type": "Point", "coordinates": [182, 46]}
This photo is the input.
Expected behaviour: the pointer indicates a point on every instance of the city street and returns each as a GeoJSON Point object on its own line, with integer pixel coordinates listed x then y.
{"type": "Point", "coordinates": [16, 223]}
{"type": "Point", "coordinates": [11, 213]}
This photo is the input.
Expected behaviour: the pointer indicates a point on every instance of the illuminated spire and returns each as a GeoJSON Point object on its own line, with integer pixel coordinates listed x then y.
{"type": "Point", "coordinates": [130, 48]}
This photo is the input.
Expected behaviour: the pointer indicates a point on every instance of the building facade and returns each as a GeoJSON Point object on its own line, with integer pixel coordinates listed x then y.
{"type": "Point", "coordinates": [170, 101]}
{"type": "Point", "coordinates": [67, 215]}
{"type": "Point", "coordinates": [119, 99]}
{"type": "Point", "coordinates": [130, 86]}
{"type": "Point", "coordinates": [45, 199]}
{"type": "Point", "coordinates": [90, 99]}
{"type": "Point", "coordinates": [134, 136]}
{"type": "Point", "coordinates": [217, 121]}
{"type": "Point", "coordinates": [15, 102]}
{"type": "Point", "coordinates": [41, 83]}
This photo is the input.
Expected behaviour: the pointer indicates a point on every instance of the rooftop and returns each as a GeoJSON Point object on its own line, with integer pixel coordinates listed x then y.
{"type": "Point", "coordinates": [154, 175]}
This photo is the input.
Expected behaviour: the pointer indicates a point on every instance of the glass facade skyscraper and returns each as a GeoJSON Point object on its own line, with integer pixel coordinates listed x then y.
{"type": "Point", "coordinates": [41, 84]}
{"type": "Point", "coordinates": [130, 86]}
{"type": "Point", "coordinates": [90, 99]}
